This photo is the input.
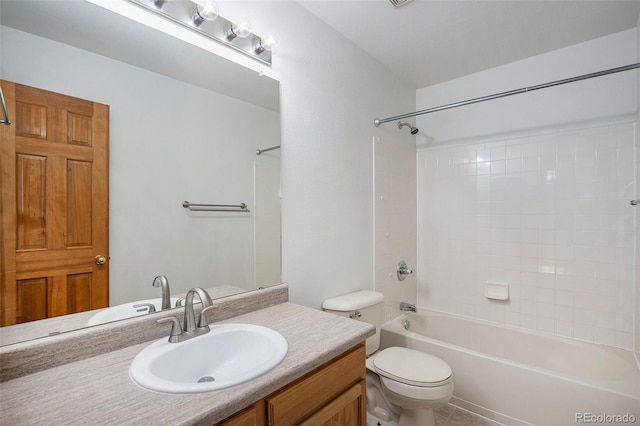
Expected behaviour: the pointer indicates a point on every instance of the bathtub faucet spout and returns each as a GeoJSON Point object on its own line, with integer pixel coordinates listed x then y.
{"type": "Point", "coordinates": [407, 307]}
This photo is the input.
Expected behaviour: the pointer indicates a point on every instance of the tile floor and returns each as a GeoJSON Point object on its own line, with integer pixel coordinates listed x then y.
{"type": "Point", "coordinates": [450, 415]}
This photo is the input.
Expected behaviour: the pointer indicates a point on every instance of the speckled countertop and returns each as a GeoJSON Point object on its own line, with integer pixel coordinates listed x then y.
{"type": "Point", "coordinates": [98, 390]}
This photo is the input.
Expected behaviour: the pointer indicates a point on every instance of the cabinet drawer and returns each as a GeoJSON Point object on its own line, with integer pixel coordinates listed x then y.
{"type": "Point", "coordinates": [310, 393]}
{"type": "Point", "coordinates": [251, 416]}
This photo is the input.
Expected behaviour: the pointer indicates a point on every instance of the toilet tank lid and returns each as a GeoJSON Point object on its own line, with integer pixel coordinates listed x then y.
{"type": "Point", "coordinates": [352, 301]}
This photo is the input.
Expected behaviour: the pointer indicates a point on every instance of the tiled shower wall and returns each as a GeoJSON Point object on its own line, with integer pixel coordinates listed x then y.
{"type": "Point", "coordinates": [394, 220]}
{"type": "Point", "coordinates": [549, 215]}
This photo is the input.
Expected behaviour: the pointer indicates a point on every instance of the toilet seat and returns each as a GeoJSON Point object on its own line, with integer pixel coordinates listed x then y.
{"type": "Point", "coordinates": [412, 367]}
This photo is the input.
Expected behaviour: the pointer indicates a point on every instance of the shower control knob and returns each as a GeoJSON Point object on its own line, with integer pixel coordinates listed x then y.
{"type": "Point", "coordinates": [402, 270]}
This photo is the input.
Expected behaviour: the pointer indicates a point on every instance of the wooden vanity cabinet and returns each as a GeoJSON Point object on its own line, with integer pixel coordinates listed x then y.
{"type": "Point", "coordinates": [333, 394]}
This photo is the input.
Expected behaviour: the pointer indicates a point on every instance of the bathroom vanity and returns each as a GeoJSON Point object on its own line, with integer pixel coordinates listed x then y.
{"type": "Point", "coordinates": [334, 393]}
{"type": "Point", "coordinates": [321, 378]}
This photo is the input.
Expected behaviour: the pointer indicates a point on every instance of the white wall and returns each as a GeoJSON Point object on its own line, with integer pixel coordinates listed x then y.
{"type": "Point", "coordinates": [534, 191]}
{"type": "Point", "coordinates": [637, 197]}
{"type": "Point", "coordinates": [169, 142]}
{"type": "Point", "coordinates": [331, 91]}
{"type": "Point", "coordinates": [586, 100]}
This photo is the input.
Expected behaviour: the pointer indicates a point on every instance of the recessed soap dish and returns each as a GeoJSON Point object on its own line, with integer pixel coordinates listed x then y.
{"type": "Point", "coordinates": [496, 290]}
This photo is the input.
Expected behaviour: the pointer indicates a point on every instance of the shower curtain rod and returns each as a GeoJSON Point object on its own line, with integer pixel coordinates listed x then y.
{"type": "Point", "coordinates": [379, 121]}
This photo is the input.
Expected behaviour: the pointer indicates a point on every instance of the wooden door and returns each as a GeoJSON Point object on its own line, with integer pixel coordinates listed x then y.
{"type": "Point", "coordinates": [53, 204]}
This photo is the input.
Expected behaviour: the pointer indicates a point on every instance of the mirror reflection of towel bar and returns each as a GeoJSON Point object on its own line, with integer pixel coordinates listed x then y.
{"type": "Point", "coordinates": [260, 151]}
{"type": "Point", "coordinates": [242, 207]}
{"type": "Point", "coordinates": [3, 106]}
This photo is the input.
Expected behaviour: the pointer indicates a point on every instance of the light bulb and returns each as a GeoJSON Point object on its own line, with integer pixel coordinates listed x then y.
{"type": "Point", "coordinates": [240, 28]}
{"type": "Point", "coordinates": [268, 43]}
{"type": "Point", "coordinates": [205, 11]}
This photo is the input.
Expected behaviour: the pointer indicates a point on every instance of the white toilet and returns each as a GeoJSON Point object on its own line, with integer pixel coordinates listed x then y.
{"type": "Point", "coordinates": [404, 386]}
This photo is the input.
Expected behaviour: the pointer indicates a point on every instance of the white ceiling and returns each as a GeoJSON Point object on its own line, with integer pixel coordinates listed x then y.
{"type": "Point", "coordinates": [426, 42]}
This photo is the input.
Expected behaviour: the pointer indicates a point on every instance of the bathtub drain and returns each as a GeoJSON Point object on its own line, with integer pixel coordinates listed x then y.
{"type": "Point", "coordinates": [406, 324]}
{"type": "Point", "coordinates": [206, 379]}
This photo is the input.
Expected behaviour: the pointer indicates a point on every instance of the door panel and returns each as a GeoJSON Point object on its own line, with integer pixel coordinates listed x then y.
{"type": "Point", "coordinates": [79, 223]}
{"type": "Point", "coordinates": [35, 291]}
{"type": "Point", "coordinates": [78, 292]}
{"type": "Point", "coordinates": [54, 205]}
{"type": "Point", "coordinates": [31, 183]}
{"type": "Point", "coordinates": [79, 130]}
{"type": "Point", "coordinates": [31, 121]}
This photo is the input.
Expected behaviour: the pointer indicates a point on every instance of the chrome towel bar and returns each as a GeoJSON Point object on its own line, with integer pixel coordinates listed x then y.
{"type": "Point", "coordinates": [242, 207]}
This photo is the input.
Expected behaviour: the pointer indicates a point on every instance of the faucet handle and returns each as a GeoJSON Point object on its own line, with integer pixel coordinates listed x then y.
{"type": "Point", "coordinates": [176, 329]}
{"type": "Point", "coordinates": [202, 321]}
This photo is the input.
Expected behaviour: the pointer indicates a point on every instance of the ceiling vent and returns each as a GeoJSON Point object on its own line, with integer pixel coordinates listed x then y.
{"type": "Point", "coordinates": [398, 3]}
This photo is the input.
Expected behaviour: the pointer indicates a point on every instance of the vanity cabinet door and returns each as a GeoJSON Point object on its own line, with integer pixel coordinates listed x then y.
{"type": "Point", "coordinates": [326, 392]}
{"type": "Point", "coordinates": [347, 409]}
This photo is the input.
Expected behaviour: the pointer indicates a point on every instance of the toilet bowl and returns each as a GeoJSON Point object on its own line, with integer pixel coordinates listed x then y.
{"type": "Point", "coordinates": [413, 383]}
{"type": "Point", "coordinates": [404, 386]}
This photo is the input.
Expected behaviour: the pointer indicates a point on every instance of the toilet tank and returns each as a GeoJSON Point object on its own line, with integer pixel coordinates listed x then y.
{"type": "Point", "coordinates": [363, 305]}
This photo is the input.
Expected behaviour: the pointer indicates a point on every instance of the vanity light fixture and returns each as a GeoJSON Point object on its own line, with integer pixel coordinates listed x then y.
{"type": "Point", "coordinates": [202, 16]}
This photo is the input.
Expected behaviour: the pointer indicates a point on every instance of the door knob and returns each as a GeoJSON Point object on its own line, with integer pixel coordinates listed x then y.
{"type": "Point", "coordinates": [99, 260]}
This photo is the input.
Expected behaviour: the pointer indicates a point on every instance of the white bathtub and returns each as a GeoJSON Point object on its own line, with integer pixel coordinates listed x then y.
{"type": "Point", "coordinates": [518, 377]}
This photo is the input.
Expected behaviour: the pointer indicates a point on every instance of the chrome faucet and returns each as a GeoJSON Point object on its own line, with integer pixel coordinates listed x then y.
{"type": "Point", "coordinates": [162, 281]}
{"type": "Point", "coordinates": [190, 328]}
{"type": "Point", "coordinates": [189, 314]}
{"type": "Point", "coordinates": [407, 307]}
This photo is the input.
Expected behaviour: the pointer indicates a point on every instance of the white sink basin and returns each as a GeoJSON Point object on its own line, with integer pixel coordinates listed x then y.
{"type": "Point", "coordinates": [126, 310]}
{"type": "Point", "coordinates": [228, 355]}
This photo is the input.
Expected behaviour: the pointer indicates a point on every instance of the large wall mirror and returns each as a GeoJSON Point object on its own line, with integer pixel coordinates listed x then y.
{"type": "Point", "coordinates": [185, 125]}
